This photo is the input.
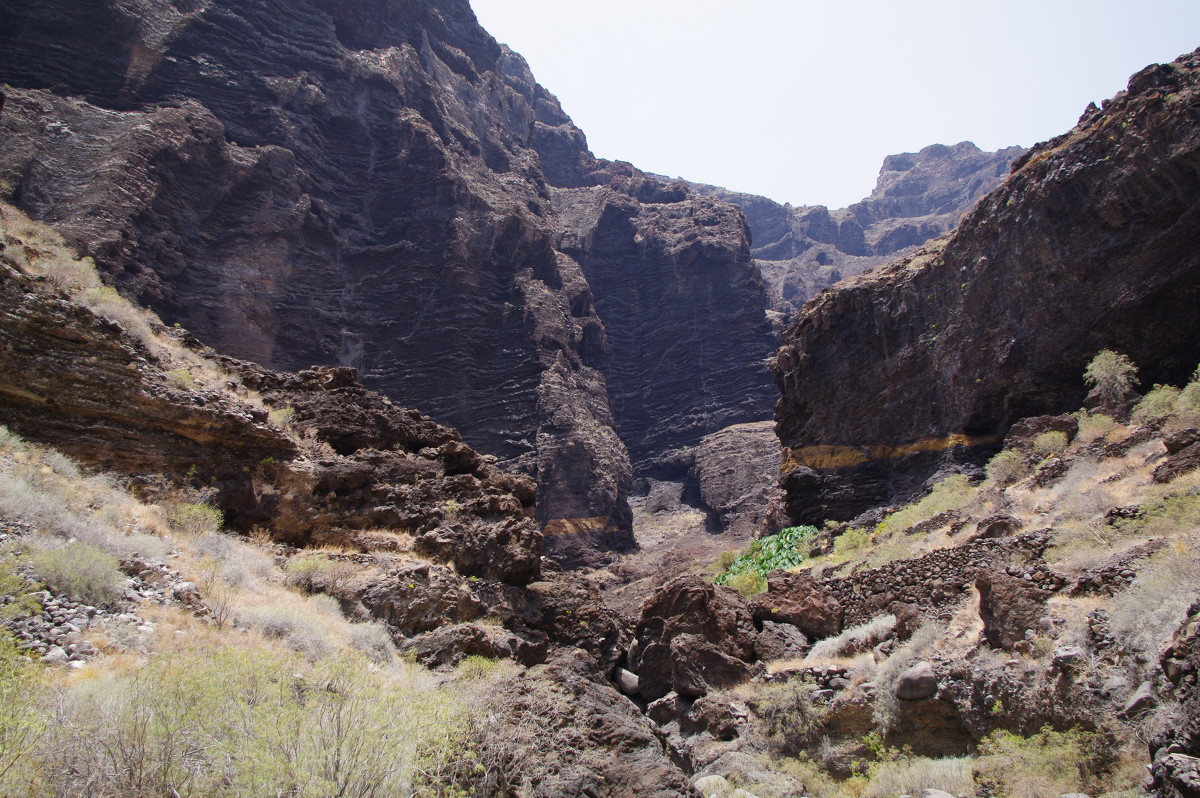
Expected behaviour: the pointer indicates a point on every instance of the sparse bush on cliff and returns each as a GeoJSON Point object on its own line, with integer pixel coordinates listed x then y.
{"type": "Point", "coordinates": [1006, 467]}
{"type": "Point", "coordinates": [1145, 615]}
{"type": "Point", "coordinates": [1112, 374]}
{"type": "Point", "coordinates": [1157, 405]}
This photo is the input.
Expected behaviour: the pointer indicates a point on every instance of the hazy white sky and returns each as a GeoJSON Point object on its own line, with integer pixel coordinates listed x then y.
{"type": "Point", "coordinates": [800, 101]}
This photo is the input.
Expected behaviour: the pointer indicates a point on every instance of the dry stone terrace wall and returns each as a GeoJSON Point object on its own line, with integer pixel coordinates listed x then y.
{"type": "Point", "coordinates": [933, 581]}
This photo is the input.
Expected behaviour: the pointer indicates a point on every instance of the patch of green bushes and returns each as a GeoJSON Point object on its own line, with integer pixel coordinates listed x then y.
{"type": "Point", "coordinates": [784, 549]}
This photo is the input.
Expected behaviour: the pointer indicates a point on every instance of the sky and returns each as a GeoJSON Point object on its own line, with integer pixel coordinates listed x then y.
{"type": "Point", "coordinates": [801, 101]}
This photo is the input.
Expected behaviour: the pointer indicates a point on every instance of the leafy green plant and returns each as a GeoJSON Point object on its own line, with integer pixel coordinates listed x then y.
{"type": "Point", "coordinates": [784, 549]}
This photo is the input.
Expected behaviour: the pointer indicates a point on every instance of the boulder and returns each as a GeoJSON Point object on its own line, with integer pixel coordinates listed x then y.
{"type": "Point", "coordinates": [721, 718]}
{"type": "Point", "coordinates": [450, 645]}
{"type": "Point", "coordinates": [1009, 607]}
{"type": "Point", "coordinates": [692, 636]}
{"type": "Point", "coordinates": [798, 599]}
{"type": "Point", "coordinates": [571, 612]}
{"type": "Point", "coordinates": [917, 682]}
{"type": "Point", "coordinates": [779, 641]}
{"type": "Point", "coordinates": [628, 683]}
{"type": "Point", "coordinates": [419, 597]}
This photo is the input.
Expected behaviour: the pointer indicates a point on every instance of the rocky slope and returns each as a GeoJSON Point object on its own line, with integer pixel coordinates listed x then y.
{"type": "Point", "coordinates": [379, 186]}
{"type": "Point", "coordinates": [918, 196]}
{"type": "Point", "coordinates": [1091, 243]}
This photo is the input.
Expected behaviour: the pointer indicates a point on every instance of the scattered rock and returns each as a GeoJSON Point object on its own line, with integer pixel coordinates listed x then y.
{"type": "Point", "coordinates": [917, 682]}
{"type": "Point", "coordinates": [628, 683]}
{"type": "Point", "coordinates": [1142, 700]}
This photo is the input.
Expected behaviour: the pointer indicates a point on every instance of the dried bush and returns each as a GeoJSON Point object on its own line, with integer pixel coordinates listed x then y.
{"type": "Point", "coordinates": [887, 706]}
{"type": "Point", "coordinates": [1145, 615]}
{"type": "Point", "coordinates": [373, 640]}
{"type": "Point", "coordinates": [791, 720]}
{"type": "Point", "coordinates": [80, 571]}
{"type": "Point", "coordinates": [855, 639]}
{"type": "Point", "coordinates": [748, 583]}
{"type": "Point", "coordinates": [910, 776]}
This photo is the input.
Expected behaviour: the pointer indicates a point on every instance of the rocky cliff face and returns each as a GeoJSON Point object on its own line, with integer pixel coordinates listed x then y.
{"type": "Point", "coordinates": [379, 185]}
{"type": "Point", "coordinates": [918, 196]}
{"type": "Point", "coordinates": [1092, 242]}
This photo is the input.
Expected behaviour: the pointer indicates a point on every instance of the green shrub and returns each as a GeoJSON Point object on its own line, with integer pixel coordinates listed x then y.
{"type": "Point", "coordinates": [195, 518]}
{"type": "Point", "coordinates": [748, 583]}
{"type": "Point", "coordinates": [80, 571]}
{"type": "Point", "coordinates": [1047, 763]}
{"type": "Point", "coordinates": [23, 716]}
{"type": "Point", "coordinates": [949, 494]}
{"type": "Point", "coordinates": [1049, 443]}
{"type": "Point", "coordinates": [1006, 467]}
{"type": "Point", "coordinates": [1157, 405]}
{"type": "Point", "coordinates": [242, 723]}
{"type": "Point", "coordinates": [851, 541]}
{"type": "Point", "coordinates": [1094, 426]}
{"type": "Point", "coordinates": [476, 666]}
{"type": "Point", "coordinates": [282, 416]}
{"type": "Point", "coordinates": [1113, 374]}
{"type": "Point", "coordinates": [913, 775]}
{"type": "Point", "coordinates": [782, 550]}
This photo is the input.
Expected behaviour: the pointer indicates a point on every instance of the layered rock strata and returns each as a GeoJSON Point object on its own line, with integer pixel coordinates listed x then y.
{"type": "Point", "coordinates": [382, 186]}
{"type": "Point", "coordinates": [1091, 243]}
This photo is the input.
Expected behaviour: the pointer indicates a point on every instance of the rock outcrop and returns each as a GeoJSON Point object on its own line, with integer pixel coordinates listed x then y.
{"type": "Point", "coordinates": [1092, 242]}
{"type": "Point", "coordinates": [693, 636]}
{"type": "Point", "coordinates": [347, 461]}
{"type": "Point", "coordinates": [382, 186]}
{"type": "Point", "coordinates": [918, 196]}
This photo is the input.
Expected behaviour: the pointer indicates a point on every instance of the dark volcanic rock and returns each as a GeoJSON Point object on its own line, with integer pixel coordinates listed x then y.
{"type": "Point", "coordinates": [798, 599]}
{"type": "Point", "coordinates": [692, 636]}
{"type": "Point", "coordinates": [737, 470]}
{"type": "Point", "coordinates": [553, 731]}
{"type": "Point", "coordinates": [918, 196]}
{"type": "Point", "coordinates": [1009, 607]}
{"type": "Point", "coordinates": [1175, 752]}
{"type": "Point", "coordinates": [1092, 242]}
{"type": "Point", "coordinates": [82, 383]}
{"type": "Point", "coordinates": [298, 186]}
